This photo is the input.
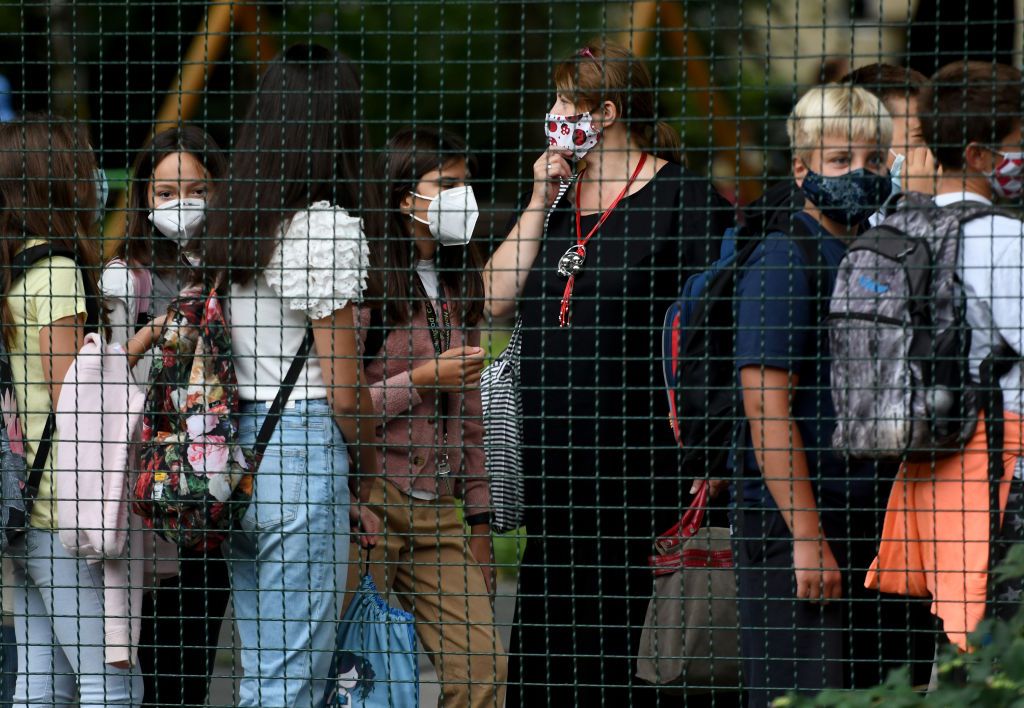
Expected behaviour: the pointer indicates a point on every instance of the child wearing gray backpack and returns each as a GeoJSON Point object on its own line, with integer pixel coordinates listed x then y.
{"type": "Point", "coordinates": [932, 374]}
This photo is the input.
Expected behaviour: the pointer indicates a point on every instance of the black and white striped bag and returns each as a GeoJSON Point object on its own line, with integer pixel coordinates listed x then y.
{"type": "Point", "coordinates": [503, 434]}
{"type": "Point", "coordinates": [503, 422]}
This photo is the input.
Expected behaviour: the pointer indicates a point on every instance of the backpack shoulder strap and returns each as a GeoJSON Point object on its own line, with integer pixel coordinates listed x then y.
{"type": "Point", "coordinates": [25, 259]}
{"type": "Point", "coordinates": [143, 279]}
{"type": "Point", "coordinates": [20, 265]}
{"type": "Point", "coordinates": [805, 238]}
{"type": "Point", "coordinates": [283, 394]}
{"type": "Point", "coordinates": [969, 210]}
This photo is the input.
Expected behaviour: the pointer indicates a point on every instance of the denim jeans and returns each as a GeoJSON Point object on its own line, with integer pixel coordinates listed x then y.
{"type": "Point", "coordinates": [58, 620]}
{"type": "Point", "coordinates": [289, 559]}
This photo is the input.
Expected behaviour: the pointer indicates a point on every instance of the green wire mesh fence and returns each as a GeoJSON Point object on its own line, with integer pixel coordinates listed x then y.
{"type": "Point", "coordinates": [511, 353]}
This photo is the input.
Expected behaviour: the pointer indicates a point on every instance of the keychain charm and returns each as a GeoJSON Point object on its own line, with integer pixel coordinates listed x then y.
{"type": "Point", "coordinates": [442, 467]}
{"type": "Point", "coordinates": [571, 262]}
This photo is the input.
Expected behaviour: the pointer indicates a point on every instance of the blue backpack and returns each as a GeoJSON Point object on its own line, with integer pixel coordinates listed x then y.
{"type": "Point", "coordinates": [698, 337]}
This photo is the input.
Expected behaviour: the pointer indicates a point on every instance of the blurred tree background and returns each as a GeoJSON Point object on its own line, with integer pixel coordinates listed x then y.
{"type": "Point", "coordinates": [481, 67]}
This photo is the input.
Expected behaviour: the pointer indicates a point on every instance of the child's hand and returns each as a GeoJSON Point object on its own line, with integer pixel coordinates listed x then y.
{"type": "Point", "coordinates": [366, 525]}
{"type": "Point", "coordinates": [715, 486]}
{"type": "Point", "coordinates": [817, 573]}
{"type": "Point", "coordinates": [453, 371]}
{"type": "Point", "coordinates": [919, 171]}
{"type": "Point", "coordinates": [144, 340]}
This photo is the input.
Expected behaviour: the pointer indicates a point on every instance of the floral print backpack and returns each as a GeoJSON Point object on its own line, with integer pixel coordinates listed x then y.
{"type": "Point", "coordinates": [196, 480]}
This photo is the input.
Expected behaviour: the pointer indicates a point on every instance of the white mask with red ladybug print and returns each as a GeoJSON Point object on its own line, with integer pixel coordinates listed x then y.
{"type": "Point", "coordinates": [1007, 179]}
{"type": "Point", "coordinates": [575, 134]}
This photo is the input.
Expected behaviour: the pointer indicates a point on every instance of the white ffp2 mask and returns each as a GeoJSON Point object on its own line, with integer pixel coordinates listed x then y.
{"type": "Point", "coordinates": [451, 216]}
{"type": "Point", "coordinates": [179, 219]}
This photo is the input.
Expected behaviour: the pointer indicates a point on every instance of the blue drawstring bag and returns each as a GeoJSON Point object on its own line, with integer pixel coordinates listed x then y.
{"type": "Point", "coordinates": [376, 664]}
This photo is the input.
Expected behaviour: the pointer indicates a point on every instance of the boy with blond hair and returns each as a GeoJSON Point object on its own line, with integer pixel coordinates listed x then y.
{"type": "Point", "coordinates": [807, 519]}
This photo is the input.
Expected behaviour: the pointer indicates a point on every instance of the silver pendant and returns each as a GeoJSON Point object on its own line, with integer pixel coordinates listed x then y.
{"type": "Point", "coordinates": [442, 468]}
{"type": "Point", "coordinates": [571, 262]}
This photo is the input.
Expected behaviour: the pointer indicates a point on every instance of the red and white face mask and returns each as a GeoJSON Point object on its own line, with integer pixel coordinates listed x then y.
{"type": "Point", "coordinates": [575, 134]}
{"type": "Point", "coordinates": [1007, 179]}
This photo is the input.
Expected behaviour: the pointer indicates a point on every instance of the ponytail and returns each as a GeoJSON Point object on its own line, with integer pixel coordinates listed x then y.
{"type": "Point", "coordinates": [667, 143]}
{"type": "Point", "coordinates": [661, 140]}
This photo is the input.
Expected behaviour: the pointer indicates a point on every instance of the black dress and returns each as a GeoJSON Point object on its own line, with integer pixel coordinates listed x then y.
{"type": "Point", "coordinates": [602, 469]}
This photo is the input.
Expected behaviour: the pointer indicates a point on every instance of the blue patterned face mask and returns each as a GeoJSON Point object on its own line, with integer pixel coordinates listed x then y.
{"type": "Point", "coordinates": [848, 199]}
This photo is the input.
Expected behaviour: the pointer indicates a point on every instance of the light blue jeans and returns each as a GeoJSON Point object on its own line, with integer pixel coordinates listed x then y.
{"type": "Point", "coordinates": [289, 560]}
{"type": "Point", "coordinates": [58, 620]}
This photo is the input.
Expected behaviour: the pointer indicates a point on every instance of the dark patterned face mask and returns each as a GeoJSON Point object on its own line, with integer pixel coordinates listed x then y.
{"type": "Point", "coordinates": [848, 199]}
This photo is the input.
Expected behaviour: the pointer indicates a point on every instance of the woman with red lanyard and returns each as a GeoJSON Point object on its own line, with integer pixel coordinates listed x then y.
{"type": "Point", "coordinates": [624, 229]}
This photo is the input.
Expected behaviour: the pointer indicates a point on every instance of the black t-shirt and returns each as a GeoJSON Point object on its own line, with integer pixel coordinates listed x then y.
{"type": "Point", "coordinates": [598, 382]}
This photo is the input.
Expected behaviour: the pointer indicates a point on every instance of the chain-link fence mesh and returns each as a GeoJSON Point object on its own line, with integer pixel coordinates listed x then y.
{"type": "Point", "coordinates": [510, 353]}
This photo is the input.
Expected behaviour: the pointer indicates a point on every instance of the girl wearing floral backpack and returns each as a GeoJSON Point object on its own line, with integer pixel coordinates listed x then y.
{"type": "Point", "coordinates": [173, 176]}
{"type": "Point", "coordinates": [288, 243]}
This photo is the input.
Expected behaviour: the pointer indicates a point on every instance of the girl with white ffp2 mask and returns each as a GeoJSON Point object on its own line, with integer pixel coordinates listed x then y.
{"type": "Point", "coordinates": [423, 374]}
{"type": "Point", "coordinates": [172, 177]}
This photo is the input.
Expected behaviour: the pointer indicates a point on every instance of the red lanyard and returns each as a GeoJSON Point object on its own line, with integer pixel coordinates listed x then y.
{"type": "Point", "coordinates": [571, 262]}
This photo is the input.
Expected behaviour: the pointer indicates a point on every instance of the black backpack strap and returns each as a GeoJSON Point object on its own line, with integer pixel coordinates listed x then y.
{"type": "Point", "coordinates": [992, 369]}
{"type": "Point", "coordinates": [807, 241]}
{"type": "Point", "coordinates": [25, 259]}
{"type": "Point", "coordinates": [20, 265]}
{"type": "Point", "coordinates": [283, 394]}
{"type": "Point", "coordinates": [35, 472]}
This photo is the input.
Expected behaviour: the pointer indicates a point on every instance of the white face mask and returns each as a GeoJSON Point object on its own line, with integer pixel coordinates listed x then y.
{"type": "Point", "coordinates": [451, 216]}
{"type": "Point", "coordinates": [179, 219]}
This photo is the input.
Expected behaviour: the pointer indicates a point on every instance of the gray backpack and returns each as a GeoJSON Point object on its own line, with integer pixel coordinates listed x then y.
{"type": "Point", "coordinates": [899, 340]}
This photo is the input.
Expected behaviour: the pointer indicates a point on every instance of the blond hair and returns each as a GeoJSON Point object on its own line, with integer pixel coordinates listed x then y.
{"type": "Point", "coordinates": [838, 110]}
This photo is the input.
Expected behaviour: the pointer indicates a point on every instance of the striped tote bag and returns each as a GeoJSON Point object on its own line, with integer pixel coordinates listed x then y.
{"type": "Point", "coordinates": [503, 434]}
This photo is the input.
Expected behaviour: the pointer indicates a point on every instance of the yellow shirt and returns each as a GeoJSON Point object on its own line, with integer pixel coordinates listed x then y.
{"type": "Point", "coordinates": [51, 290]}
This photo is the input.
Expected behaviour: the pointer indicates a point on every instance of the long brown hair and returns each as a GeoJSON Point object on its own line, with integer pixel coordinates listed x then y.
{"type": "Point", "coordinates": [140, 247]}
{"type": "Point", "coordinates": [301, 141]}
{"type": "Point", "coordinates": [47, 192]}
{"type": "Point", "coordinates": [411, 153]}
{"type": "Point", "coordinates": [601, 72]}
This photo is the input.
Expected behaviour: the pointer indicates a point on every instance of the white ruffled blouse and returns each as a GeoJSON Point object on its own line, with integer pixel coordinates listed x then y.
{"type": "Point", "coordinates": [320, 265]}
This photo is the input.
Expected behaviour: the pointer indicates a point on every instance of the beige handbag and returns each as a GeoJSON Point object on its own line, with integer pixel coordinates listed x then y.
{"type": "Point", "coordinates": [690, 640]}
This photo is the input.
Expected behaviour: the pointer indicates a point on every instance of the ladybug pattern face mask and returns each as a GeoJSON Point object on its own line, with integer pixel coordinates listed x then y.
{"type": "Point", "coordinates": [1007, 179]}
{"type": "Point", "coordinates": [575, 134]}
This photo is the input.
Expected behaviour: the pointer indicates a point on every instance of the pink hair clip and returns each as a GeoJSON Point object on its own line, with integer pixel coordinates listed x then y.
{"type": "Point", "coordinates": [585, 52]}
